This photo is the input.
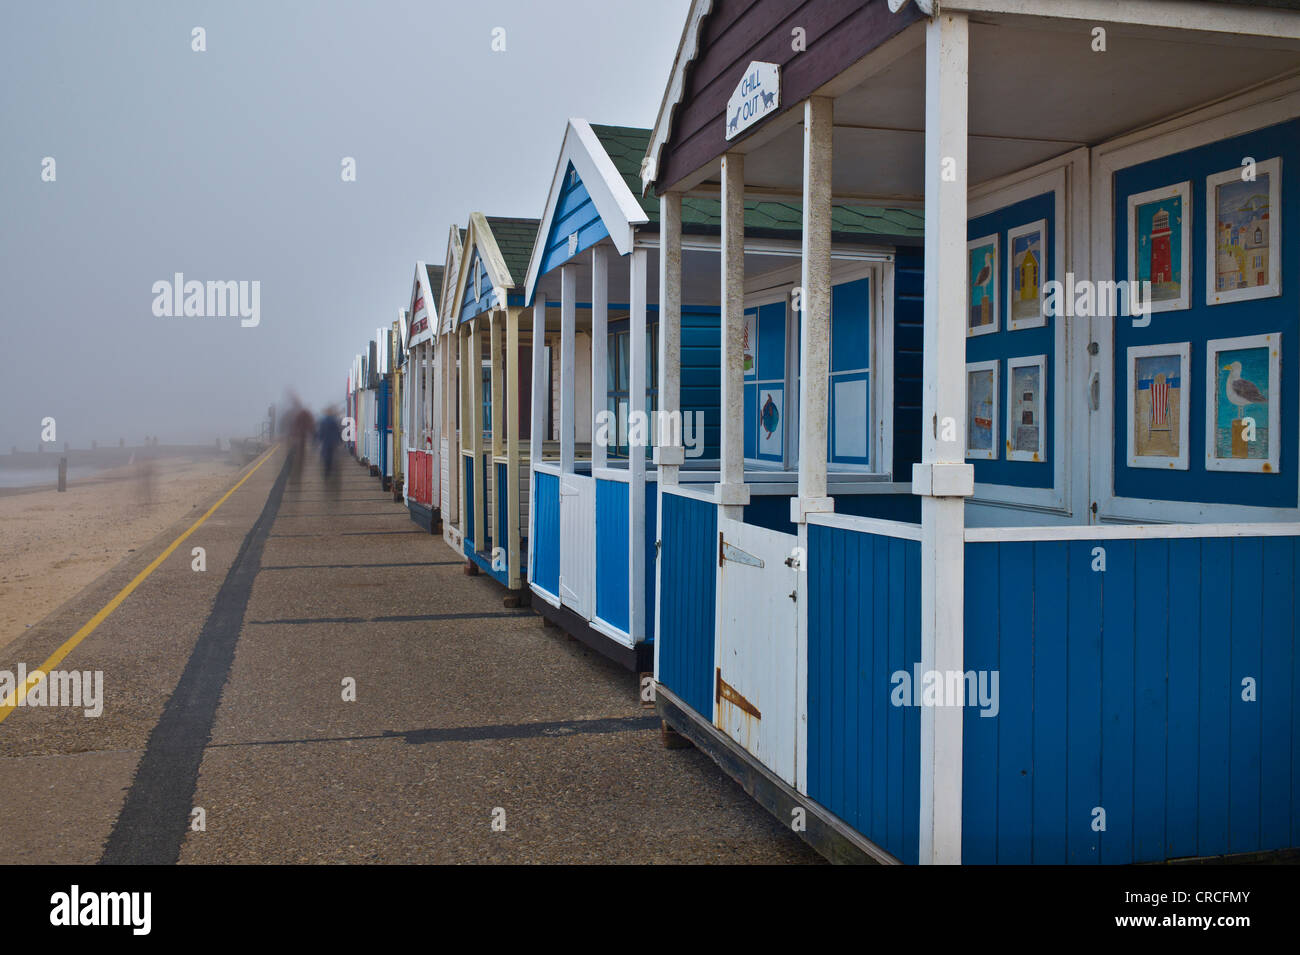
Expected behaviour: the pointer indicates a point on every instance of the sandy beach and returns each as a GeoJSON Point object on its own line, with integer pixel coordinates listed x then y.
{"type": "Point", "coordinates": [53, 544]}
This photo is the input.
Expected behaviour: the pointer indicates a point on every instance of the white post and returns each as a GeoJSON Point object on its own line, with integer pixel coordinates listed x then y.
{"type": "Point", "coordinates": [475, 419]}
{"type": "Point", "coordinates": [669, 454]}
{"type": "Point", "coordinates": [815, 329]}
{"type": "Point", "coordinates": [512, 499]}
{"type": "Point", "coordinates": [943, 477]}
{"type": "Point", "coordinates": [732, 493]}
{"type": "Point", "coordinates": [537, 415]}
{"type": "Point", "coordinates": [599, 352]}
{"type": "Point", "coordinates": [538, 421]}
{"type": "Point", "coordinates": [568, 387]}
{"type": "Point", "coordinates": [638, 438]}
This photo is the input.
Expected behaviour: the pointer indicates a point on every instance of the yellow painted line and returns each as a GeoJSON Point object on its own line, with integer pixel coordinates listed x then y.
{"type": "Point", "coordinates": [10, 703]}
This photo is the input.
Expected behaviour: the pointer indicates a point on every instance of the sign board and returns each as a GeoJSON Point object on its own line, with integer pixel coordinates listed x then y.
{"type": "Point", "coordinates": [757, 95]}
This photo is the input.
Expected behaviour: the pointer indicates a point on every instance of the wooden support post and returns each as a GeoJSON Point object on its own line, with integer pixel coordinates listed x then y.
{"type": "Point", "coordinates": [538, 414]}
{"type": "Point", "coordinates": [638, 442]}
{"type": "Point", "coordinates": [815, 328]}
{"type": "Point", "coordinates": [513, 499]}
{"type": "Point", "coordinates": [943, 477]}
{"type": "Point", "coordinates": [568, 386]}
{"type": "Point", "coordinates": [669, 454]}
{"type": "Point", "coordinates": [599, 352]}
{"type": "Point", "coordinates": [732, 493]}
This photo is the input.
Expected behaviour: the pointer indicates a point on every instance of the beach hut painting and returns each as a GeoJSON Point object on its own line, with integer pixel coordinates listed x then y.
{"type": "Point", "coordinates": [776, 650]}
{"type": "Point", "coordinates": [1244, 218]}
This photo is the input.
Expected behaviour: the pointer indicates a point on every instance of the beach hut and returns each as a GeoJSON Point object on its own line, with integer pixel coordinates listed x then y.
{"type": "Point", "coordinates": [423, 430]}
{"type": "Point", "coordinates": [447, 386]}
{"type": "Point", "coordinates": [1061, 628]}
{"type": "Point", "coordinates": [595, 284]}
{"type": "Point", "coordinates": [397, 405]}
{"type": "Point", "coordinates": [493, 395]}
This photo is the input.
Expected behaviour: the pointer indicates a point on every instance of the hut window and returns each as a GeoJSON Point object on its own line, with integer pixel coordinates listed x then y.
{"type": "Point", "coordinates": [618, 380]}
{"type": "Point", "coordinates": [849, 437]}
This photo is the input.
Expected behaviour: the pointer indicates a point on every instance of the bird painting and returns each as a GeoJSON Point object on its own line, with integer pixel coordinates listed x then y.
{"type": "Point", "coordinates": [1240, 391]}
{"type": "Point", "coordinates": [985, 273]}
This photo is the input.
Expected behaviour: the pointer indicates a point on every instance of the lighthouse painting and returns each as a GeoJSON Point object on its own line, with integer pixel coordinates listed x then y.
{"type": "Point", "coordinates": [1159, 244]}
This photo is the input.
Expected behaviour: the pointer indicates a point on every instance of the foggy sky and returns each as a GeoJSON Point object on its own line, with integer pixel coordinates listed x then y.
{"type": "Point", "coordinates": [225, 165]}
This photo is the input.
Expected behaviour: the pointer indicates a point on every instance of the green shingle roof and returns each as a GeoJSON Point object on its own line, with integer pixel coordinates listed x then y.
{"type": "Point", "coordinates": [435, 279]}
{"type": "Point", "coordinates": [514, 237]}
{"type": "Point", "coordinates": [627, 146]}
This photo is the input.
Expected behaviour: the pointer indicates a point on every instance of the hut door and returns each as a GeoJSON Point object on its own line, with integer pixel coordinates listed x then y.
{"type": "Point", "coordinates": [578, 543]}
{"type": "Point", "coordinates": [755, 668]}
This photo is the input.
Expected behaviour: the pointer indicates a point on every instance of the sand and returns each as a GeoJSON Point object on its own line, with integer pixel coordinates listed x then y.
{"type": "Point", "coordinates": [53, 544]}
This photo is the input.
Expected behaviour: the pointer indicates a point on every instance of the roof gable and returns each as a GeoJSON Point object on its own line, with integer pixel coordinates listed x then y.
{"type": "Point", "coordinates": [589, 199]}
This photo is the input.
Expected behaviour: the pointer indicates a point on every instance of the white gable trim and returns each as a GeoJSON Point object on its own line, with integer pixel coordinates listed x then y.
{"type": "Point", "coordinates": [686, 52]}
{"type": "Point", "coordinates": [450, 273]}
{"type": "Point", "coordinates": [479, 236]}
{"type": "Point", "coordinates": [614, 202]}
{"type": "Point", "coordinates": [418, 287]}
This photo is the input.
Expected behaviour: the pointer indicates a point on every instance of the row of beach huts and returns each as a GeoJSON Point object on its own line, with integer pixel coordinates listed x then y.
{"type": "Point", "coordinates": [917, 402]}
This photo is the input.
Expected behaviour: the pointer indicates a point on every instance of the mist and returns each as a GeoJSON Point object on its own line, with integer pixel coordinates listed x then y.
{"type": "Point", "coordinates": [130, 159]}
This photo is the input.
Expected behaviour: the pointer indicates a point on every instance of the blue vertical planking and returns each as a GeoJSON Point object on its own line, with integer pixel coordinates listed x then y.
{"type": "Point", "coordinates": [688, 567]}
{"type": "Point", "coordinates": [502, 492]}
{"type": "Point", "coordinates": [1243, 714]}
{"type": "Point", "coordinates": [1050, 673]}
{"type": "Point", "coordinates": [651, 551]}
{"type": "Point", "coordinates": [469, 503]}
{"type": "Point", "coordinates": [1150, 698]}
{"type": "Point", "coordinates": [545, 572]}
{"type": "Point", "coordinates": [1125, 695]}
{"type": "Point", "coordinates": [1276, 692]}
{"type": "Point", "coordinates": [864, 628]}
{"type": "Point", "coordinates": [612, 553]}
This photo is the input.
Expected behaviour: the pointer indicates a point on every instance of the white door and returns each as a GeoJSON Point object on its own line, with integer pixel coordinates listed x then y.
{"type": "Point", "coordinates": [757, 643]}
{"type": "Point", "coordinates": [578, 543]}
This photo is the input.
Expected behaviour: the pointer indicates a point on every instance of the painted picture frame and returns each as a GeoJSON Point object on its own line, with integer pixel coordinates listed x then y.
{"type": "Point", "coordinates": [749, 345]}
{"type": "Point", "coordinates": [1159, 405]}
{"type": "Point", "coordinates": [1026, 430]}
{"type": "Point", "coordinates": [1243, 233]}
{"type": "Point", "coordinates": [982, 275]}
{"type": "Point", "coordinates": [1026, 274]}
{"type": "Point", "coordinates": [982, 410]}
{"type": "Point", "coordinates": [1160, 245]}
{"type": "Point", "coordinates": [1243, 403]}
{"type": "Point", "coordinates": [771, 422]}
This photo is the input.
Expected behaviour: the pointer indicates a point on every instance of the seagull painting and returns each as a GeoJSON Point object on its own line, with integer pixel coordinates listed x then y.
{"type": "Point", "coordinates": [1240, 391]}
{"type": "Point", "coordinates": [986, 273]}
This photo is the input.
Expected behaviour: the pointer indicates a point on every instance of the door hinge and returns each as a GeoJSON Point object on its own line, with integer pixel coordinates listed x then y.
{"type": "Point", "coordinates": [1093, 507]}
{"type": "Point", "coordinates": [794, 595]}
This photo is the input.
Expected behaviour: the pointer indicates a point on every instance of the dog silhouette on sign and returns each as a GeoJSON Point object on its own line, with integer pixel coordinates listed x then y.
{"type": "Point", "coordinates": [768, 98]}
{"type": "Point", "coordinates": [734, 122]}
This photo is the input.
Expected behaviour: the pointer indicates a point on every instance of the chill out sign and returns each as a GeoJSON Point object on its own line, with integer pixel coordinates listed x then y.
{"type": "Point", "coordinates": [757, 94]}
